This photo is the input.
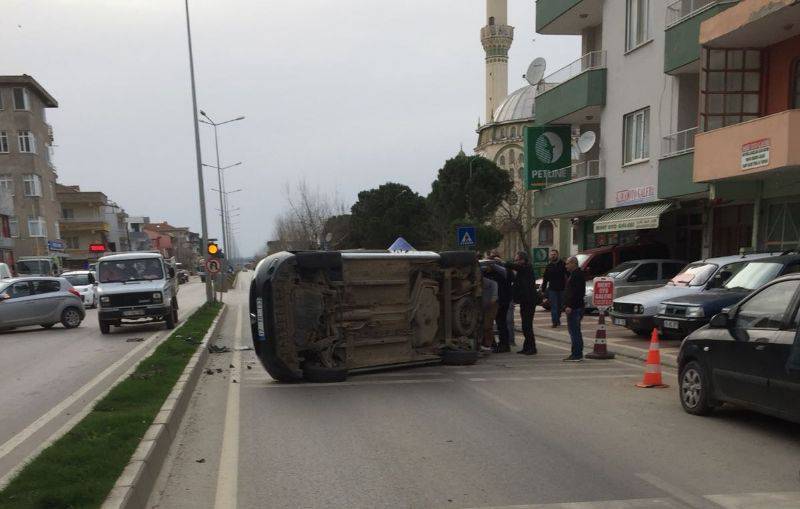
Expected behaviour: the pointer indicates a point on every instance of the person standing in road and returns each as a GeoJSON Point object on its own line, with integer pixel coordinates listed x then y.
{"type": "Point", "coordinates": [574, 308]}
{"type": "Point", "coordinates": [499, 275]}
{"type": "Point", "coordinates": [489, 301]}
{"type": "Point", "coordinates": [524, 292]}
{"type": "Point", "coordinates": [495, 255]}
{"type": "Point", "coordinates": [553, 282]}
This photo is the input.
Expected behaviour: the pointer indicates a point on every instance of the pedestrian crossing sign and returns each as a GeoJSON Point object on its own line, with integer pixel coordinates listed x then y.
{"type": "Point", "coordinates": [466, 237]}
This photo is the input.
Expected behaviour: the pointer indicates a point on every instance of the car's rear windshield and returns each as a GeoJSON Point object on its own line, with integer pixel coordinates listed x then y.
{"type": "Point", "coordinates": [33, 267]}
{"type": "Point", "coordinates": [121, 271]}
{"type": "Point", "coordinates": [622, 269]}
{"type": "Point", "coordinates": [695, 274]}
{"type": "Point", "coordinates": [754, 275]}
{"type": "Point", "coordinates": [77, 279]}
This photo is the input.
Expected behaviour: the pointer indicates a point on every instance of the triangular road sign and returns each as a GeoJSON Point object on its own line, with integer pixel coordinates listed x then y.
{"type": "Point", "coordinates": [466, 240]}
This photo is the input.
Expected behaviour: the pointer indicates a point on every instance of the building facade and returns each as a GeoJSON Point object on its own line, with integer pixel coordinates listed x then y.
{"type": "Point", "coordinates": [83, 222]}
{"type": "Point", "coordinates": [6, 240]}
{"type": "Point", "coordinates": [26, 168]}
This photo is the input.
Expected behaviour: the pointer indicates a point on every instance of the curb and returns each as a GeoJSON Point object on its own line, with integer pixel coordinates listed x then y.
{"type": "Point", "coordinates": [628, 352]}
{"type": "Point", "coordinates": [135, 484]}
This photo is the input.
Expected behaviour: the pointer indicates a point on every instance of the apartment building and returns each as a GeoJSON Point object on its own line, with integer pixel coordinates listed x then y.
{"type": "Point", "coordinates": [26, 169]}
{"type": "Point", "coordinates": [83, 223]}
{"type": "Point", "coordinates": [6, 240]}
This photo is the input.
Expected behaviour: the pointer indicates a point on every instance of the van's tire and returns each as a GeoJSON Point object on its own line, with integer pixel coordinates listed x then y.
{"type": "Point", "coordinates": [172, 318]}
{"type": "Point", "coordinates": [449, 259]}
{"type": "Point", "coordinates": [316, 260]}
{"type": "Point", "coordinates": [71, 317]}
{"type": "Point", "coordinates": [105, 328]}
{"type": "Point", "coordinates": [324, 375]}
{"type": "Point", "coordinates": [459, 357]}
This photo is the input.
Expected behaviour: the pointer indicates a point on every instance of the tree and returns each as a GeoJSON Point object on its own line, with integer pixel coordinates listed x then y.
{"type": "Point", "coordinates": [301, 226]}
{"type": "Point", "coordinates": [514, 215]}
{"type": "Point", "coordinates": [390, 211]}
{"type": "Point", "coordinates": [467, 188]}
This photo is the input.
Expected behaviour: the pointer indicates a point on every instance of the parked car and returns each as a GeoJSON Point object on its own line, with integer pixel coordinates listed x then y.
{"type": "Point", "coordinates": [38, 266]}
{"type": "Point", "coordinates": [44, 301]}
{"type": "Point", "coordinates": [749, 355]}
{"type": "Point", "coordinates": [5, 271]}
{"type": "Point", "coordinates": [322, 315]}
{"type": "Point", "coordinates": [136, 287]}
{"type": "Point", "coordinates": [679, 317]}
{"type": "Point", "coordinates": [85, 282]}
{"type": "Point", "coordinates": [637, 276]}
{"type": "Point", "coordinates": [637, 311]}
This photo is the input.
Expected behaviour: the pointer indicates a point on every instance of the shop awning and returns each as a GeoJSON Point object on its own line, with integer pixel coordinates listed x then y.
{"type": "Point", "coordinates": [643, 217]}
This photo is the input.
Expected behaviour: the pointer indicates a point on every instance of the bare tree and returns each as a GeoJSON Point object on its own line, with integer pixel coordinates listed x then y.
{"type": "Point", "coordinates": [515, 215]}
{"type": "Point", "coordinates": [302, 225]}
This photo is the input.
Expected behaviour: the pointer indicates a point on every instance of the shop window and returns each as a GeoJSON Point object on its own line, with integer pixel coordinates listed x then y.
{"type": "Point", "coordinates": [545, 233]}
{"type": "Point", "coordinates": [783, 226]}
{"type": "Point", "coordinates": [730, 85]}
{"type": "Point", "coordinates": [795, 99]}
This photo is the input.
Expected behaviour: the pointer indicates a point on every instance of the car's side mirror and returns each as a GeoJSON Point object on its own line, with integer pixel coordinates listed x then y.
{"type": "Point", "coordinates": [720, 320]}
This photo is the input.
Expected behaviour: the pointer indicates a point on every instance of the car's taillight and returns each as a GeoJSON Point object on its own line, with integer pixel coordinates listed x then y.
{"type": "Point", "coordinates": [74, 292]}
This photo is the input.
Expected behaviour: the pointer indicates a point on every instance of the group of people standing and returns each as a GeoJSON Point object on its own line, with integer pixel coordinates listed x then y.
{"type": "Point", "coordinates": [508, 283]}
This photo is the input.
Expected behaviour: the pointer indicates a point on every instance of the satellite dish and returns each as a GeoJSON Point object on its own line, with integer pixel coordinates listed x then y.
{"type": "Point", "coordinates": [586, 141]}
{"type": "Point", "coordinates": [536, 71]}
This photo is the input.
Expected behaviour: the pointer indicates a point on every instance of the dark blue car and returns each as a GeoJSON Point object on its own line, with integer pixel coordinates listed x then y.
{"type": "Point", "coordinates": [680, 317]}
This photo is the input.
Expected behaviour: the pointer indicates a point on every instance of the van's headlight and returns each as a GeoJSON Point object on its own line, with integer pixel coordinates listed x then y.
{"type": "Point", "coordinates": [105, 299]}
{"type": "Point", "coordinates": [695, 312]}
{"type": "Point", "coordinates": [662, 309]}
{"type": "Point", "coordinates": [157, 296]}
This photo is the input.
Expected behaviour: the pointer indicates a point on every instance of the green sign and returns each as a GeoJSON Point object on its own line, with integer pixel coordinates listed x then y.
{"type": "Point", "coordinates": [548, 155]}
{"type": "Point", "coordinates": [540, 258]}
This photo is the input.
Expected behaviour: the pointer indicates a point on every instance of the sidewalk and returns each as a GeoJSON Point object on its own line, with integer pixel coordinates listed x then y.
{"type": "Point", "coordinates": [621, 341]}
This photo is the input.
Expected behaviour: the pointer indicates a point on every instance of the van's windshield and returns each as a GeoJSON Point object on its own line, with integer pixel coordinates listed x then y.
{"type": "Point", "coordinates": [27, 267]}
{"type": "Point", "coordinates": [122, 271]}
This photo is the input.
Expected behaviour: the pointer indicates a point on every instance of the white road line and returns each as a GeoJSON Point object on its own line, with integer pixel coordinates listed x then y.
{"type": "Point", "coordinates": [268, 383]}
{"type": "Point", "coordinates": [554, 377]}
{"type": "Point", "coordinates": [228, 474]}
{"type": "Point", "coordinates": [54, 412]}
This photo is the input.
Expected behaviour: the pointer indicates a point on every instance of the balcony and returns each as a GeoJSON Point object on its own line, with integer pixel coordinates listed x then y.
{"type": "Point", "coordinates": [575, 94]}
{"type": "Point", "coordinates": [752, 24]}
{"type": "Point", "coordinates": [583, 194]}
{"type": "Point", "coordinates": [750, 150]}
{"type": "Point", "coordinates": [84, 224]}
{"type": "Point", "coordinates": [682, 33]}
{"type": "Point", "coordinates": [567, 17]}
{"type": "Point", "coordinates": [675, 169]}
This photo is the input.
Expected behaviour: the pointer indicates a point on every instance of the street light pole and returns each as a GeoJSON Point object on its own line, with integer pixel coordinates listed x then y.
{"type": "Point", "coordinates": [198, 155]}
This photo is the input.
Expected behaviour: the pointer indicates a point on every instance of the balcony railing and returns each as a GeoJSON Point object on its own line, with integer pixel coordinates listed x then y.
{"type": "Point", "coordinates": [682, 9]}
{"type": "Point", "coordinates": [678, 143]}
{"type": "Point", "coordinates": [83, 219]}
{"type": "Point", "coordinates": [589, 61]}
{"type": "Point", "coordinates": [580, 170]}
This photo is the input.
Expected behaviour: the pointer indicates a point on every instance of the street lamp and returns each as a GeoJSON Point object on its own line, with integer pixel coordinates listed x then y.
{"type": "Point", "coordinates": [198, 155]}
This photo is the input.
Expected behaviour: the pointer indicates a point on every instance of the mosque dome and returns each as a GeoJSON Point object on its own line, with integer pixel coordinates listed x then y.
{"type": "Point", "coordinates": [518, 106]}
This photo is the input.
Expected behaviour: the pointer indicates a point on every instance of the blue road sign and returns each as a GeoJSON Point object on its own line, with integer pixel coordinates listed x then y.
{"type": "Point", "coordinates": [466, 237]}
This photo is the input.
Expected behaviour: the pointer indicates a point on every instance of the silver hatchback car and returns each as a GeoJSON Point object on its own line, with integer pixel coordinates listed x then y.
{"type": "Point", "coordinates": [44, 301]}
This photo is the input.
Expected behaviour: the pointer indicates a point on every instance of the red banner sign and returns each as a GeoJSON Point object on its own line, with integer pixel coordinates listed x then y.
{"type": "Point", "coordinates": [603, 292]}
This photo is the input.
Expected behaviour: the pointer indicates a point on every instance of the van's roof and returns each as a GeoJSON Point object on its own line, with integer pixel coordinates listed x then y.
{"type": "Point", "coordinates": [135, 255]}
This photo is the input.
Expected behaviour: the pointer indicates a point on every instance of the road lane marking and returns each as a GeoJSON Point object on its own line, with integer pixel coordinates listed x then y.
{"type": "Point", "coordinates": [268, 383]}
{"type": "Point", "coordinates": [554, 377]}
{"type": "Point", "coordinates": [228, 474]}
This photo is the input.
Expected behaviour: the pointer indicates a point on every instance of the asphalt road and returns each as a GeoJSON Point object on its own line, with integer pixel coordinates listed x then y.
{"type": "Point", "coordinates": [509, 431]}
{"type": "Point", "coordinates": [48, 377]}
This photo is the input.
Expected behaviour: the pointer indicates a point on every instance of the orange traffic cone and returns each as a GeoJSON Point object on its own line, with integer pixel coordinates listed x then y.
{"type": "Point", "coordinates": [652, 373]}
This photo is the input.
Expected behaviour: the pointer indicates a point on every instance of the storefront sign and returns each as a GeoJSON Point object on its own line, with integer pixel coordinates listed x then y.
{"type": "Point", "coordinates": [56, 245]}
{"type": "Point", "coordinates": [639, 223]}
{"type": "Point", "coordinates": [603, 296]}
{"type": "Point", "coordinates": [755, 154]}
{"type": "Point", "coordinates": [548, 155]}
{"type": "Point", "coordinates": [636, 195]}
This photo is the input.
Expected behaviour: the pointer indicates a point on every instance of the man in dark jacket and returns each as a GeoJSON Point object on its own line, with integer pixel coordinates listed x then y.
{"type": "Point", "coordinates": [498, 274]}
{"type": "Point", "coordinates": [574, 308]}
{"type": "Point", "coordinates": [524, 291]}
{"type": "Point", "coordinates": [553, 282]}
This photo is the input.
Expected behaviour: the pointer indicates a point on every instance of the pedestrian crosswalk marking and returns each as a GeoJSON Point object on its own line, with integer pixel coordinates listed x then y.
{"type": "Point", "coordinates": [466, 240]}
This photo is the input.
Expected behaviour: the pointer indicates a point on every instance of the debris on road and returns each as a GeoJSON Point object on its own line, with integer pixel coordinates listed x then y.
{"type": "Point", "coordinates": [218, 349]}
{"type": "Point", "coordinates": [134, 340]}
{"type": "Point", "coordinates": [209, 372]}
{"type": "Point", "coordinates": [243, 348]}
{"type": "Point", "coordinates": [201, 460]}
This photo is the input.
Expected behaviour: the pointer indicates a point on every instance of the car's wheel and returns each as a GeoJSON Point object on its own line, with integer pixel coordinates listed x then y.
{"type": "Point", "coordinates": [71, 318]}
{"type": "Point", "coordinates": [459, 357]}
{"type": "Point", "coordinates": [466, 315]}
{"type": "Point", "coordinates": [642, 333]}
{"type": "Point", "coordinates": [105, 327]}
{"type": "Point", "coordinates": [172, 318]}
{"type": "Point", "coordinates": [47, 325]}
{"type": "Point", "coordinates": [694, 389]}
{"type": "Point", "coordinates": [324, 375]}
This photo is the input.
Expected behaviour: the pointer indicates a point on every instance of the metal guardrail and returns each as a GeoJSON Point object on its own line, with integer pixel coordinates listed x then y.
{"type": "Point", "coordinates": [678, 143]}
{"type": "Point", "coordinates": [580, 170]}
{"type": "Point", "coordinates": [589, 61]}
{"type": "Point", "coordinates": [682, 9]}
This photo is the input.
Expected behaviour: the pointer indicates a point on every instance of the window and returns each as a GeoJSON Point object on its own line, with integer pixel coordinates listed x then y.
{"type": "Point", "coordinates": [56, 230]}
{"type": "Point", "coordinates": [4, 142]}
{"type": "Point", "coordinates": [730, 84]}
{"type": "Point", "coordinates": [7, 184]}
{"type": "Point", "coordinates": [645, 272]}
{"type": "Point", "coordinates": [22, 100]}
{"type": "Point", "coordinates": [502, 161]}
{"type": "Point", "coordinates": [68, 213]}
{"type": "Point", "coordinates": [795, 99]}
{"type": "Point", "coordinates": [767, 308]}
{"type": "Point", "coordinates": [27, 142]}
{"type": "Point", "coordinates": [73, 242]}
{"type": "Point", "coordinates": [636, 134]}
{"type": "Point", "coordinates": [13, 227]}
{"type": "Point", "coordinates": [46, 286]}
{"type": "Point", "coordinates": [1, 100]}
{"type": "Point", "coordinates": [545, 233]}
{"type": "Point", "coordinates": [670, 269]}
{"type": "Point", "coordinates": [637, 24]}
{"type": "Point", "coordinates": [18, 290]}
{"type": "Point", "coordinates": [53, 195]}
{"type": "Point", "coordinates": [513, 132]}
{"type": "Point", "coordinates": [37, 227]}
{"type": "Point", "coordinates": [33, 185]}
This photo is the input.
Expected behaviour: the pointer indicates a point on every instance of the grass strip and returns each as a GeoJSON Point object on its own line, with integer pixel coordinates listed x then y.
{"type": "Point", "coordinates": [81, 468]}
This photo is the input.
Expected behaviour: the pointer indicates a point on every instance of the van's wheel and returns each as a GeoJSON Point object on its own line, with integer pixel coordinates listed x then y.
{"type": "Point", "coordinates": [324, 375]}
{"type": "Point", "coordinates": [70, 318]}
{"type": "Point", "coordinates": [172, 318]}
{"type": "Point", "coordinates": [694, 389]}
{"type": "Point", "coordinates": [105, 327]}
{"type": "Point", "coordinates": [459, 357]}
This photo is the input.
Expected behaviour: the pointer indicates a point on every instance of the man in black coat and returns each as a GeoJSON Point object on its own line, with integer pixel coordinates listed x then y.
{"type": "Point", "coordinates": [524, 293]}
{"type": "Point", "coordinates": [553, 282]}
{"type": "Point", "coordinates": [574, 307]}
{"type": "Point", "coordinates": [498, 274]}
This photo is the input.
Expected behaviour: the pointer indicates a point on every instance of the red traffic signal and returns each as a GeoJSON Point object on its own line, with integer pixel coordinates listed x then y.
{"type": "Point", "coordinates": [97, 248]}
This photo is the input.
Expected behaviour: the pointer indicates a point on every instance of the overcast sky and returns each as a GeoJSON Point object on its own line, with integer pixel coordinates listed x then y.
{"type": "Point", "coordinates": [346, 93]}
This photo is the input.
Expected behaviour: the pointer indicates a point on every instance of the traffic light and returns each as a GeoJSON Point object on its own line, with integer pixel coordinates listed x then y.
{"type": "Point", "coordinates": [213, 249]}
